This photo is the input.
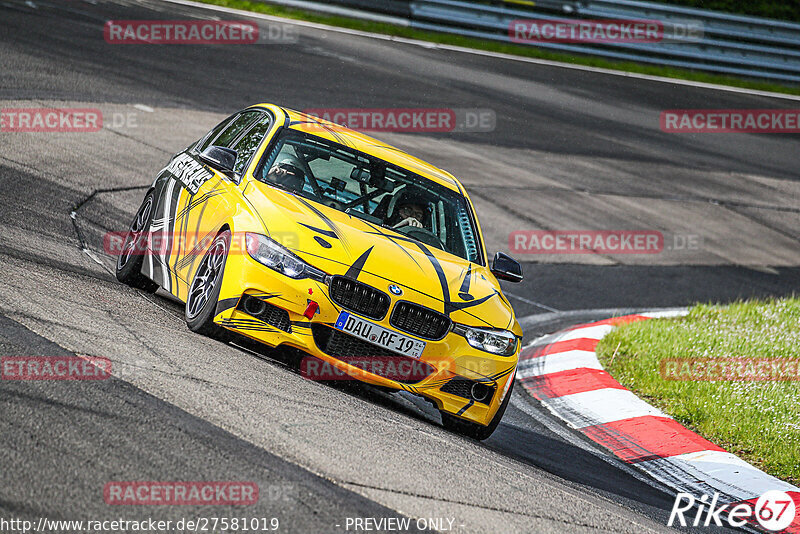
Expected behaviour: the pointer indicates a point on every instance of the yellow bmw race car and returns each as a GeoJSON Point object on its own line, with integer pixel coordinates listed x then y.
{"type": "Point", "coordinates": [303, 234]}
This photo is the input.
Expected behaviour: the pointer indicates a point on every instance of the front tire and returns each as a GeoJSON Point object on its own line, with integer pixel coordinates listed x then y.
{"type": "Point", "coordinates": [131, 257]}
{"type": "Point", "coordinates": [474, 430]}
{"type": "Point", "coordinates": [201, 303]}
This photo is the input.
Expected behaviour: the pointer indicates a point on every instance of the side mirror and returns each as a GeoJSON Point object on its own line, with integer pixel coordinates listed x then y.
{"type": "Point", "coordinates": [220, 158]}
{"type": "Point", "coordinates": [507, 268]}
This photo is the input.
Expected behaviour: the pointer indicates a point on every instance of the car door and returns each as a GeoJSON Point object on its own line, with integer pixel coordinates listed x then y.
{"type": "Point", "coordinates": [200, 214]}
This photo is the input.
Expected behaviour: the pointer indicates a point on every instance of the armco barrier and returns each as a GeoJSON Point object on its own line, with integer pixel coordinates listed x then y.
{"type": "Point", "coordinates": [730, 44]}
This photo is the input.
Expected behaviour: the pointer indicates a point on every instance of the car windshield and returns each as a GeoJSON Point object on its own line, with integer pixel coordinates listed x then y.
{"type": "Point", "coordinates": [367, 187]}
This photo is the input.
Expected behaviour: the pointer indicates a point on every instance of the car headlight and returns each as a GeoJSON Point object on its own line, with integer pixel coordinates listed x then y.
{"type": "Point", "coordinates": [267, 252]}
{"type": "Point", "coordinates": [500, 342]}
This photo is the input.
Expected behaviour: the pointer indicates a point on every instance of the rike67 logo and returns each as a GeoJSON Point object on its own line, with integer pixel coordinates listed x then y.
{"type": "Point", "coordinates": [774, 511]}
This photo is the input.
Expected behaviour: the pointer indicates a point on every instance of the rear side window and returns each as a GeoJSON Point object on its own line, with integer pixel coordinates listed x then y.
{"type": "Point", "coordinates": [250, 141]}
{"type": "Point", "coordinates": [235, 128]}
{"type": "Point", "coordinates": [210, 136]}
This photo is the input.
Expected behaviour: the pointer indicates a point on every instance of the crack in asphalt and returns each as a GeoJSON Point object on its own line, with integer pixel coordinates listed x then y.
{"type": "Point", "coordinates": [73, 215]}
{"type": "Point", "coordinates": [21, 164]}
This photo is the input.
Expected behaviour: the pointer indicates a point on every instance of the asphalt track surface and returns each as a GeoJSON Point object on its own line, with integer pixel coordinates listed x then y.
{"type": "Point", "coordinates": [572, 149]}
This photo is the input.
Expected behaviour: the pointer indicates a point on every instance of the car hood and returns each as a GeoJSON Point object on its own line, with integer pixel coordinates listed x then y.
{"type": "Point", "coordinates": [346, 245]}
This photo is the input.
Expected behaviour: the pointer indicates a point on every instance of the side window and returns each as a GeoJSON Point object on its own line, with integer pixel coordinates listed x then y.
{"type": "Point", "coordinates": [250, 141]}
{"type": "Point", "coordinates": [210, 136]}
{"type": "Point", "coordinates": [239, 125]}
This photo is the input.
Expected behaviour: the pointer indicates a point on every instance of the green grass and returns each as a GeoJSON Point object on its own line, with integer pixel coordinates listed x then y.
{"type": "Point", "coordinates": [759, 421]}
{"type": "Point", "coordinates": [506, 48]}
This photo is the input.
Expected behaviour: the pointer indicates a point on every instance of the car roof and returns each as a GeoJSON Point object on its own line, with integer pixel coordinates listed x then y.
{"type": "Point", "coordinates": [364, 143]}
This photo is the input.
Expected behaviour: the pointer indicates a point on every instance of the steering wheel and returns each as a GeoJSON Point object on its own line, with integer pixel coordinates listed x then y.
{"type": "Point", "coordinates": [421, 234]}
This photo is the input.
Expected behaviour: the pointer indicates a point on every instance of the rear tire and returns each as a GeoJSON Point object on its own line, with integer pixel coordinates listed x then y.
{"type": "Point", "coordinates": [475, 430]}
{"type": "Point", "coordinates": [131, 257]}
{"type": "Point", "coordinates": [201, 302]}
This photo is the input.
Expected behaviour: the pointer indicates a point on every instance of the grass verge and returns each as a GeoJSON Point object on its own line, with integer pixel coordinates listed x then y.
{"type": "Point", "coordinates": [756, 420]}
{"type": "Point", "coordinates": [506, 48]}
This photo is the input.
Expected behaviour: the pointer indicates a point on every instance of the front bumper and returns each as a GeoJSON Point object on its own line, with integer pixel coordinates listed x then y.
{"type": "Point", "coordinates": [444, 373]}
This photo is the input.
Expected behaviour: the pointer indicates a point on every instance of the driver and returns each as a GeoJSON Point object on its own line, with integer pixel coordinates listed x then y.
{"type": "Point", "coordinates": [409, 210]}
{"type": "Point", "coordinates": [410, 214]}
{"type": "Point", "coordinates": [287, 173]}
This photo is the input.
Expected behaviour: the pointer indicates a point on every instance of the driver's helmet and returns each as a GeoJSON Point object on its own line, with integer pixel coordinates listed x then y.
{"type": "Point", "coordinates": [409, 195]}
{"type": "Point", "coordinates": [288, 173]}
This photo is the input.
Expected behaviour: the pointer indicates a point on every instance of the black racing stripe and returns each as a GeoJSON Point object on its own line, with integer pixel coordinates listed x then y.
{"type": "Point", "coordinates": [192, 202]}
{"type": "Point", "coordinates": [182, 246]}
{"type": "Point", "coordinates": [322, 242]}
{"type": "Point", "coordinates": [342, 140]}
{"type": "Point", "coordinates": [176, 194]}
{"type": "Point", "coordinates": [327, 233]}
{"type": "Point", "coordinates": [463, 292]}
{"type": "Point", "coordinates": [265, 296]}
{"type": "Point", "coordinates": [389, 147]}
{"type": "Point", "coordinates": [335, 306]}
{"type": "Point", "coordinates": [240, 325]}
{"type": "Point", "coordinates": [251, 328]}
{"type": "Point", "coordinates": [329, 223]}
{"type": "Point", "coordinates": [478, 318]}
{"type": "Point", "coordinates": [380, 232]}
{"type": "Point", "coordinates": [464, 409]}
{"type": "Point", "coordinates": [440, 274]}
{"type": "Point", "coordinates": [310, 119]}
{"type": "Point", "coordinates": [245, 320]}
{"type": "Point", "coordinates": [354, 270]}
{"type": "Point", "coordinates": [434, 385]}
{"type": "Point", "coordinates": [193, 256]}
{"type": "Point", "coordinates": [501, 374]}
{"type": "Point", "coordinates": [199, 200]}
{"type": "Point", "coordinates": [456, 306]}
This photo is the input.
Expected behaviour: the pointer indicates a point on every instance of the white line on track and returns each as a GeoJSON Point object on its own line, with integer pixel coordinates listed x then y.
{"type": "Point", "coordinates": [486, 53]}
{"type": "Point", "coordinates": [532, 303]}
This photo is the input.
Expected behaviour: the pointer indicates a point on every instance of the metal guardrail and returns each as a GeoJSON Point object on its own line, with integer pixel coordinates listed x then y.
{"type": "Point", "coordinates": [730, 44]}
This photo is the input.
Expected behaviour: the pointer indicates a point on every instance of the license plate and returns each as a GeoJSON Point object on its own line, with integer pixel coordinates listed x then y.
{"type": "Point", "coordinates": [380, 336]}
